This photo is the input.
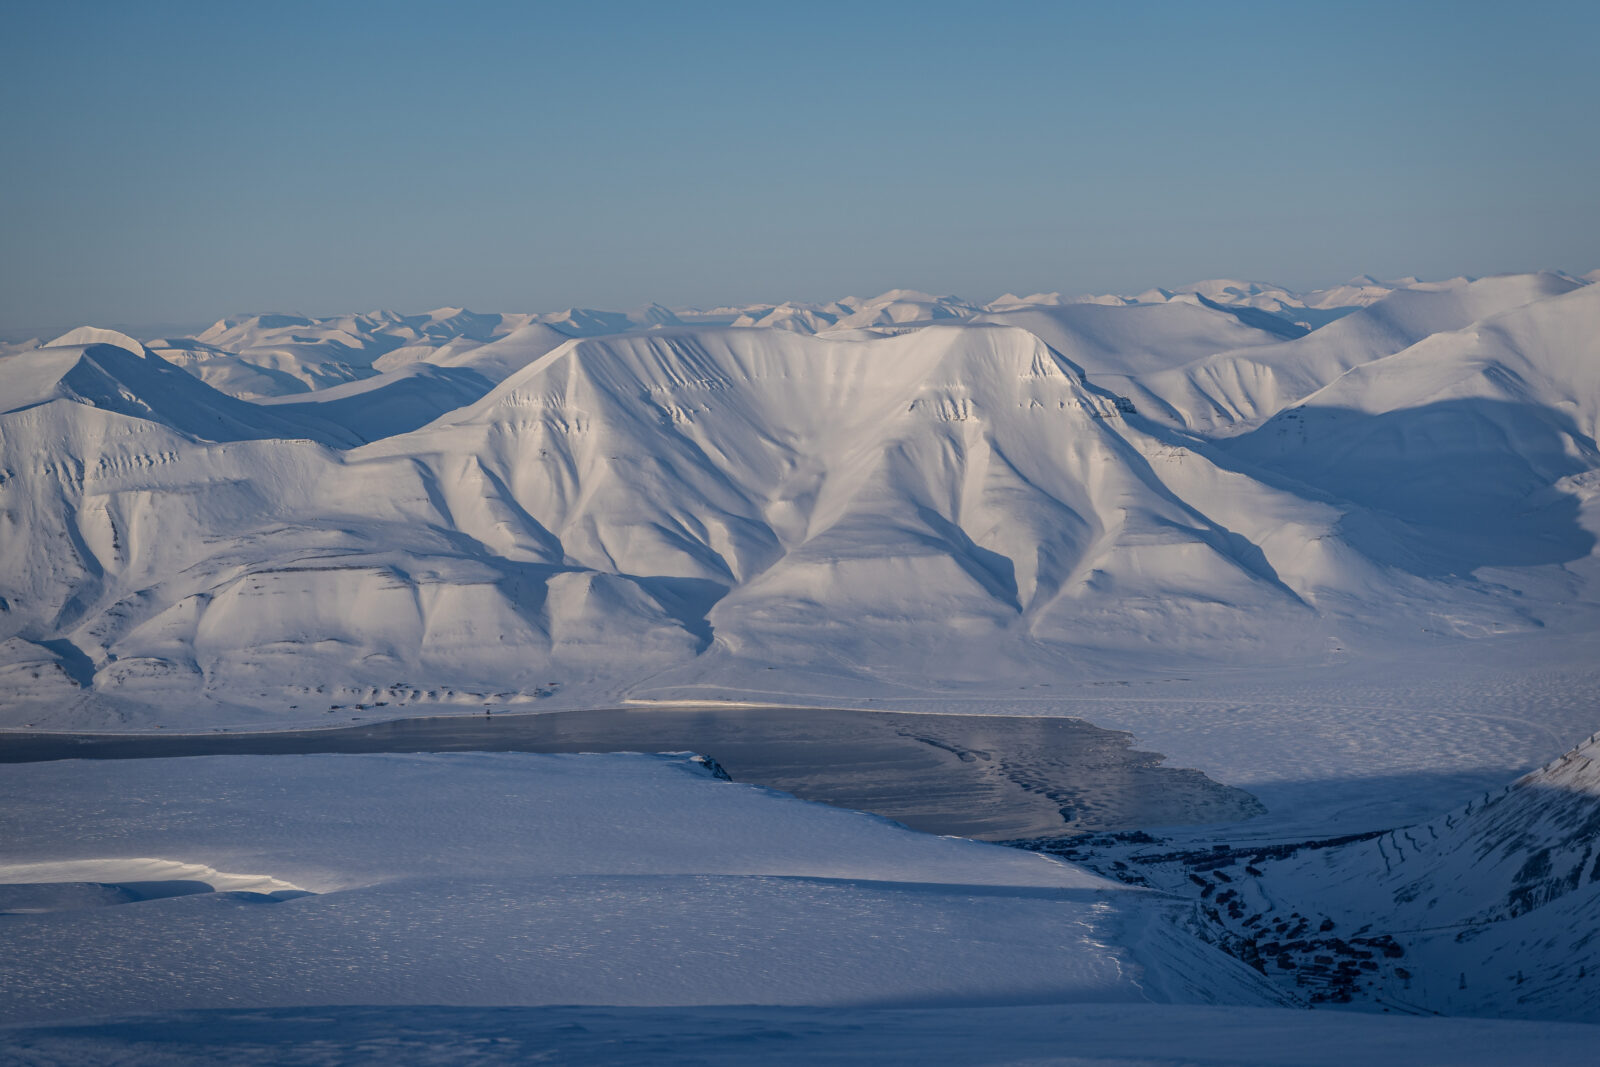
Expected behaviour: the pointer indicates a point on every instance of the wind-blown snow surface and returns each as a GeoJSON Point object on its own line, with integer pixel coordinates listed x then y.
{"type": "Point", "coordinates": [483, 879]}
{"type": "Point", "coordinates": [928, 496]}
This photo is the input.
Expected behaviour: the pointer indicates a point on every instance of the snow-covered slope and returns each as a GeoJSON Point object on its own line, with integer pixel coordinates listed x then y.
{"type": "Point", "coordinates": [280, 355]}
{"type": "Point", "coordinates": [1099, 1035]}
{"type": "Point", "coordinates": [114, 373]}
{"type": "Point", "coordinates": [1309, 310]}
{"type": "Point", "coordinates": [1020, 494]}
{"type": "Point", "coordinates": [1117, 345]}
{"type": "Point", "coordinates": [1487, 910]}
{"type": "Point", "coordinates": [484, 879]}
{"type": "Point", "coordinates": [1234, 389]}
{"type": "Point", "coordinates": [386, 404]}
{"type": "Point", "coordinates": [742, 490]}
{"type": "Point", "coordinates": [1481, 439]}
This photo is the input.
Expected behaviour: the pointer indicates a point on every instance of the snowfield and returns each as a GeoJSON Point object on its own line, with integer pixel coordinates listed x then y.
{"type": "Point", "coordinates": [1167, 1035]}
{"type": "Point", "coordinates": [478, 879]}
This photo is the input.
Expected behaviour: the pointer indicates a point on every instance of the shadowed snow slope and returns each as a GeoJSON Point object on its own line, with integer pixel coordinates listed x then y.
{"type": "Point", "coordinates": [1487, 910]}
{"type": "Point", "coordinates": [116, 377]}
{"type": "Point", "coordinates": [969, 496]}
{"type": "Point", "coordinates": [1467, 435]}
{"type": "Point", "coordinates": [1236, 388]}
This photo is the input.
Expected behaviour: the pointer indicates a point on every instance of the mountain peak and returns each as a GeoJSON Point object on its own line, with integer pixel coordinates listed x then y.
{"type": "Point", "coordinates": [93, 335]}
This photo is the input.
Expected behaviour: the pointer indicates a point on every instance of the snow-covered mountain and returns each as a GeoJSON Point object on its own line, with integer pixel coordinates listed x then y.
{"type": "Point", "coordinates": [909, 489]}
{"type": "Point", "coordinates": [277, 355]}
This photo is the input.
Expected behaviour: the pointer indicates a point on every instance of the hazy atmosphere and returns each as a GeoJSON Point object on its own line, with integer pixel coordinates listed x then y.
{"type": "Point", "coordinates": [171, 162]}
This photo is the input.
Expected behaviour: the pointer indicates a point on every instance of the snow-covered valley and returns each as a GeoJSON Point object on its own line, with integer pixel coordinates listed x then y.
{"type": "Point", "coordinates": [1334, 550]}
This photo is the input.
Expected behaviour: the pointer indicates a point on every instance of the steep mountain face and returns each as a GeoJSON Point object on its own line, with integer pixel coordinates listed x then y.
{"type": "Point", "coordinates": [950, 478]}
{"type": "Point", "coordinates": [951, 498]}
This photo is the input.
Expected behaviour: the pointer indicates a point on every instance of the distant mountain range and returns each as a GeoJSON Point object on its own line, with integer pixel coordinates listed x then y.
{"type": "Point", "coordinates": [465, 507]}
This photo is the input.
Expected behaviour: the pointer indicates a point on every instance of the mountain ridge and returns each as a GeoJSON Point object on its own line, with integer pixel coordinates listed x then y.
{"type": "Point", "coordinates": [1018, 492]}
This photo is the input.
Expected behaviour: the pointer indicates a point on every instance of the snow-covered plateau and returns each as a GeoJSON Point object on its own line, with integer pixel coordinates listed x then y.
{"type": "Point", "coordinates": [1335, 549]}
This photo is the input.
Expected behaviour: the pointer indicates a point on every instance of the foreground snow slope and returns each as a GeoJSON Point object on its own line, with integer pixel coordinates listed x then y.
{"type": "Point", "coordinates": [520, 879]}
{"type": "Point", "coordinates": [1168, 1035]}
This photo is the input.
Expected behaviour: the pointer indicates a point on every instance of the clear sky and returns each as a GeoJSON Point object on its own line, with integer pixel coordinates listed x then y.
{"type": "Point", "coordinates": [174, 162]}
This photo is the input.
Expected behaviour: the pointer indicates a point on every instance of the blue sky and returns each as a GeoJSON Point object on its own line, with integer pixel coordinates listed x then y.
{"type": "Point", "coordinates": [174, 162]}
